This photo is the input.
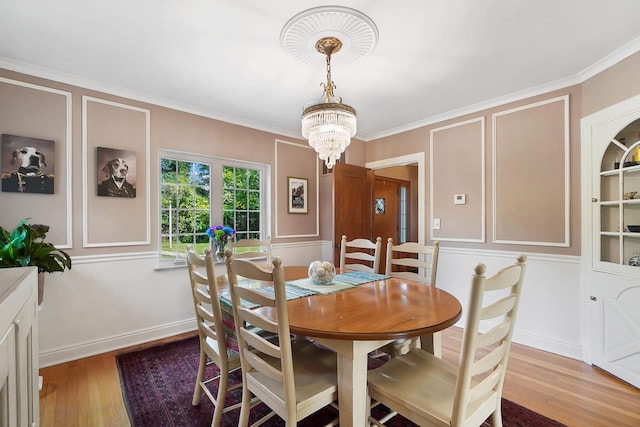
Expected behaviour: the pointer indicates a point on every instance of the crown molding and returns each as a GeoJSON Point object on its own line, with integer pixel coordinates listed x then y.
{"type": "Point", "coordinates": [90, 84]}
{"type": "Point", "coordinates": [587, 73]}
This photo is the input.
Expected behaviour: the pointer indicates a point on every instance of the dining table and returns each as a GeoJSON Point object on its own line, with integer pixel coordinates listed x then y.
{"type": "Point", "coordinates": [356, 320]}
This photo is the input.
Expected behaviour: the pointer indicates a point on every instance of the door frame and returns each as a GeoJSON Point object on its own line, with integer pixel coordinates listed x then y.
{"type": "Point", "coordinates": [408, 159]}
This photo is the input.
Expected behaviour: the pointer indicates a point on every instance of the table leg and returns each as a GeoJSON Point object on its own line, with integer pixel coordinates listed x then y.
{"type": "Point", "coordinates": [432, 343]}
{"type": "Point", "coordinates": [352, 379]}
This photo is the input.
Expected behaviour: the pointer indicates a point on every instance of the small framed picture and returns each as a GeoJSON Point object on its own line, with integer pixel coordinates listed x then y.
{"type": "Point", "coordinates": [298, 195]}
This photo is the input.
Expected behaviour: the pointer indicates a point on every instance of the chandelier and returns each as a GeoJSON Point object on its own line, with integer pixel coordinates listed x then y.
{"type": "Point", "coordinates": [329, 125]}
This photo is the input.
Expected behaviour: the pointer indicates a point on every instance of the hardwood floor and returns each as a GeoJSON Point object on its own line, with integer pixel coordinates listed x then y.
{"type": "Point", "coordinates": [86, 392]}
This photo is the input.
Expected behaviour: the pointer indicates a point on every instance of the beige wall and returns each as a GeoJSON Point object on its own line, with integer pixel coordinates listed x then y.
{"type": "Point", "coordinates": [28, 107]}
{"type": "Point", "coordinates": [611, 86]}
{"type": "Point", "coordinates": [29, 111]}
{"type": "Point", "coordinates": [454, 164]}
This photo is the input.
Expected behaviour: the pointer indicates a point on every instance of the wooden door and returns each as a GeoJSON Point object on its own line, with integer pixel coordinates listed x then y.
{"type": "Point", "coordinates": [388, 209]}
{"type": "Point", "coordinates": [353, 204]}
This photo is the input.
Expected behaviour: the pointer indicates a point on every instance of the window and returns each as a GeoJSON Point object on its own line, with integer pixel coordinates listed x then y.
{"type": "Point", "coordinates": [404, 223]}
{"type": "Point", "coordinates": [242, 201]}
{"type": "Point", "coordinates": [198, 191]}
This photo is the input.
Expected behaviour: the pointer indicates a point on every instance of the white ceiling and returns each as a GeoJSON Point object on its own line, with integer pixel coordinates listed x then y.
{"type": "Point", "coordinates": [223, 59]}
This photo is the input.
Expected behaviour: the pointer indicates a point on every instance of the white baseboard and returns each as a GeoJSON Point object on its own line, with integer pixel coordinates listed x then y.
{"type": "Point", "coordinates": [92, 348]}
{"type": "Point", "coordinates": [549, 345]}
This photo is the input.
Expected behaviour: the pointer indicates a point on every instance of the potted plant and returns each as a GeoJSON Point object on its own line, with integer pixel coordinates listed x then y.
{"type": "Point", "coordinates": [25, 246]}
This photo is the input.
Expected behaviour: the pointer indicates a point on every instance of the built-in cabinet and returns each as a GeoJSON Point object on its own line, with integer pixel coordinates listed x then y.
{"type": "Point", "coordinates": [620, 198]}
{"type": "Point", "coordinates": [19, 347]}
{"type": "Point", "coordinates": [611, 243]}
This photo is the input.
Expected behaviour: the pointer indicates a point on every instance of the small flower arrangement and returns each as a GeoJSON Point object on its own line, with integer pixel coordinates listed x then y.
{"type": "Point", "coordinates": [220, 234]}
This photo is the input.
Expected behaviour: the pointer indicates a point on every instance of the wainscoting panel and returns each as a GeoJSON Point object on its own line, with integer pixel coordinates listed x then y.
{"type": "Point", "coordinates": [114, 301]}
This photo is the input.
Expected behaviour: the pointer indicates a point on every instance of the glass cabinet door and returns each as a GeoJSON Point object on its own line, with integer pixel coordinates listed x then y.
{"type": "Point", "coordinates": [619, 201]}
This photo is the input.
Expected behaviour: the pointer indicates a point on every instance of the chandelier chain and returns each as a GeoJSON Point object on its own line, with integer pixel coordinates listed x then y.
{"type": "Point", "coordinates": [329, 126]}
{"type": "Point", "coordinates": [329, 86]}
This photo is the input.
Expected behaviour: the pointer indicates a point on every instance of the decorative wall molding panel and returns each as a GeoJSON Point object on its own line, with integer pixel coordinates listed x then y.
{"type": "Point", "coordinates": [457, 173]}
{"type": "Point", "coordinates": [530, 207]}
{"type": "Point", "coordinates": [124, 129]}
{"type": "Point", "coordinates": [45, 113]}
{"type": "Point", "coordinates": [302, 162]}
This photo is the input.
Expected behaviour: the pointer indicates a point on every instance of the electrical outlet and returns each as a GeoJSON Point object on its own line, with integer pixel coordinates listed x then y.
{"type": "Point", "coordinates": [436, 223]}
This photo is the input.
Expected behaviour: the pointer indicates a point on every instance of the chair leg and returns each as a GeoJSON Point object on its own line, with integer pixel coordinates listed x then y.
{"type": "Point", "coordinates": [246, 407]}
{"type": "Point", "coordinates": [496, 417]}
{"type": "Point", "coordinates": [220, 398]}
{"type": "Point", "coordinates": [197, 392]}
{"type": "Point", "coordinates": [381, 422]}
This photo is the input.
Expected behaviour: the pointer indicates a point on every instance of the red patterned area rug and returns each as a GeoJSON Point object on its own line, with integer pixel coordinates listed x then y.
{"type": "Point", "coordinates": [157, 386]}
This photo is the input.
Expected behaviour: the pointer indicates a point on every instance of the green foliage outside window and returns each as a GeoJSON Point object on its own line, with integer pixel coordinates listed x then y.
{"type": "Point", "coordinates": [186, 207]}
{"type": "Point", "coordinates": [241, 195]}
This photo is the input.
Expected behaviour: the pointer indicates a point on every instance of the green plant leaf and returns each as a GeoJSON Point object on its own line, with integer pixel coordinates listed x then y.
{"type": "Point", "coordinates": [25, 246]}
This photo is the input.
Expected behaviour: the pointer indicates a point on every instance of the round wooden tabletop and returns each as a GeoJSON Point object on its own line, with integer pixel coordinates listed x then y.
{"type": "Point", "coordinates": [385, 309]}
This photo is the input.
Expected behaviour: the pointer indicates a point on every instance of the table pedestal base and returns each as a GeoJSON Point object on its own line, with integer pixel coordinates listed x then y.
{"type": "Point", "coordinates": [352, 378]}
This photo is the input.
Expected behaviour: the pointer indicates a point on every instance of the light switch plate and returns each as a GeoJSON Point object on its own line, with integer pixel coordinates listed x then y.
{"type": "Point", "coordinates": [436, 223]}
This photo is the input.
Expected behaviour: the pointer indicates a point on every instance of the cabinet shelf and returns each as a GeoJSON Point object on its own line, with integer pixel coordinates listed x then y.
{"type": "Point", "coordinates": [617, 202]}
{"type": "Point", "coordinates": [628, 169]}
{"type": "Point", "coordinates": [618, 233]}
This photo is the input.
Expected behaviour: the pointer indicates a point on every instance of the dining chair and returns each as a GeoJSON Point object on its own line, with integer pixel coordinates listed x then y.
{"type": "Point", "coordinates": [412, 260]}
{"type": "Point", "coordinates": [213, 347]}
{"type": "Point", "coordinates": [254, 249]}
{"type": "Point", "coordinates": [430, 391]}
{"type": "Point", "coordinates": [360, 254]}
{"type": "Point", "coordinates": [294, 378]}
{"type": "Point", "coordinates": [418, 262]}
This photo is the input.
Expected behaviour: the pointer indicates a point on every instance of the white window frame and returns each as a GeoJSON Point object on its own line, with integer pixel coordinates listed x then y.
{"type": "Point", "coordinates": [216, 189]}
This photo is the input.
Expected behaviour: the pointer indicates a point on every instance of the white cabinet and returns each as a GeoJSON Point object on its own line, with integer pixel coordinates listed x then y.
{"type": "Point", "coordinates": [611, 243]}
{"type": "Point", "coordinates": [19, 347]}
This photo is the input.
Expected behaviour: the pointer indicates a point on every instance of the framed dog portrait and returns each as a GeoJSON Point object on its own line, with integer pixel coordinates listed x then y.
{"type": "Point", "coordinates": [116, 172]}
{"type": "Point", "coordinates": [28, 164]}
{"type": "Point", "coordinates": [297, 195]}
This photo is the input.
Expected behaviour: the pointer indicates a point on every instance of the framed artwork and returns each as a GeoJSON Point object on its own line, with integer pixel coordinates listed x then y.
{"type": "Point", "coordinates": [27, 164]}
{"type": "Point", "coordinates": [116, 172]}
{"type": "Point", "coordinates": [297, 195]}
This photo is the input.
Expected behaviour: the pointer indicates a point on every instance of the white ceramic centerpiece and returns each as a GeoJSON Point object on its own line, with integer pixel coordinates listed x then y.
{"type": "Point", "coordinates": [322, 272]}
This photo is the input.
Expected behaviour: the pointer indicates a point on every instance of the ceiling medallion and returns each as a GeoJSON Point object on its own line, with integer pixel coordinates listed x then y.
{"type": "Point", "coordinates": [329, 124]}
{"type": "Point", "coordinates": [355, 30]}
